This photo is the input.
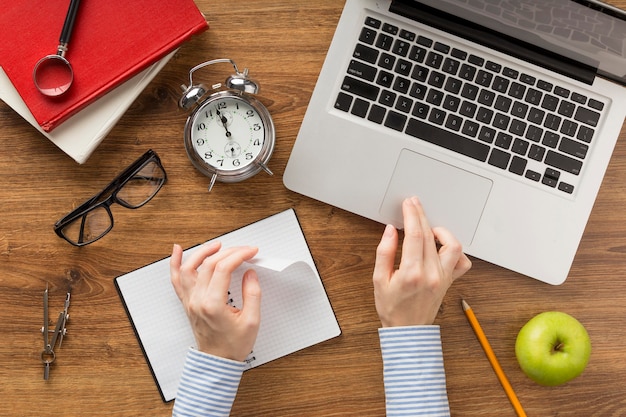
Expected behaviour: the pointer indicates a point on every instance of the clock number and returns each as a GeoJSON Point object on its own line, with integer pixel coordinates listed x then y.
{"type": "Point", "coordinates": [249, 155]}
{"type": "Point", "coordinates": [256, 127]}
{"type": "Point", "coordinates": [201, 126]}
{"type": "Point", "coordinates": [257, 142]}
{"type": "Point", "coordinates": [250, 113]}
{"type": "Point", "coordinates": [220, 162]}
{"type": "Point", "coordinates": [208, 155]}
{"type": "Point", "coordinates": [199, 142]}
{"type": "Point", "coordinates": [236, 162]}
{"type": "Point", "coordinates": [221, 105]}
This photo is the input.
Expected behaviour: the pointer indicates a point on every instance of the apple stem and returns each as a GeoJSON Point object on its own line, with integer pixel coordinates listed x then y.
{"type": "Point", "coordinates": [558, 347]}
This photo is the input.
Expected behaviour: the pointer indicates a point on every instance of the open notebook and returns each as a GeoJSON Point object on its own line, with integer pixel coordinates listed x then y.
{"type": "Point", "coordinates": [295, 310]}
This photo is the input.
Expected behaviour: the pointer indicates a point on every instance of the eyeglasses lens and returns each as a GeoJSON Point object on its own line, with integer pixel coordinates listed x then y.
{"type": "Point", "coordinates": [89, 227]}
{"type": "Point", "coordinates": [142, 186]}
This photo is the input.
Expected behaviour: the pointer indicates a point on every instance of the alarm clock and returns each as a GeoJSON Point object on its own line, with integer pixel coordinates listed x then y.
{"type": "Point", "coordinates": [229, 135]}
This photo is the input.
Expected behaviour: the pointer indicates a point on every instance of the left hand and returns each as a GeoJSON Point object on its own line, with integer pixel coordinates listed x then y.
{"type": "Point", "coordinates": [202, 283]}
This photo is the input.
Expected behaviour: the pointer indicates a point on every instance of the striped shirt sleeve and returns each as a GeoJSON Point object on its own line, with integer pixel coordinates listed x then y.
{"type": "Point", "coordinates": [414, 376]}
{"type": "Point", "coordinates": [208, 385]}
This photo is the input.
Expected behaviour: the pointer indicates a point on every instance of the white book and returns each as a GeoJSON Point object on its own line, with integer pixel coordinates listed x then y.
{"type": "Point", "coordinates": [295, 310]}
{"type": "Point", "coordinates": [81, 134]}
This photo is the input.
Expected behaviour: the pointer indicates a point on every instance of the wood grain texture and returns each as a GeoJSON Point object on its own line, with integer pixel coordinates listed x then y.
{"type": "Point", "coordinates": [100, 369]}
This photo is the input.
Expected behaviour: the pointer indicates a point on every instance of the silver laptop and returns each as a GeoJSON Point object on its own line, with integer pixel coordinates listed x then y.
{"type": "Point", "coordinates": [500, 115]}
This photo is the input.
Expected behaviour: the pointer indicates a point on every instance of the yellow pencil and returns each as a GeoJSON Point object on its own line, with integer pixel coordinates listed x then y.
{"type": "Point", "coordinates": [492, 359]}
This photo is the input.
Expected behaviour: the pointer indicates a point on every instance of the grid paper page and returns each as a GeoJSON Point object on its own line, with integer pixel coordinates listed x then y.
{"type": "Point", "coordinates": [295, 311]}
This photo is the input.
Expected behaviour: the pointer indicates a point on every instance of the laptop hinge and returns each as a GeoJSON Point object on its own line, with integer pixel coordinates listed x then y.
{"type": "Point", "coordinates": [493, 39]}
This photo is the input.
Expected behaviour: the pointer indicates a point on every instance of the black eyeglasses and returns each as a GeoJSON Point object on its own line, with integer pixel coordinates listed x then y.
{"type": "Point", "coordinates": [132, 189]}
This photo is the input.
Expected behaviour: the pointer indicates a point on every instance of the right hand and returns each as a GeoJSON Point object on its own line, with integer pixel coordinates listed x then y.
{"type": "Point", "coordinates": [412, 294]}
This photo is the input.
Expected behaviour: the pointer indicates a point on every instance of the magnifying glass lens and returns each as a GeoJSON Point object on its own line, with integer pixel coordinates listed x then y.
{"type": "Point", "coordinates": [53, 75]}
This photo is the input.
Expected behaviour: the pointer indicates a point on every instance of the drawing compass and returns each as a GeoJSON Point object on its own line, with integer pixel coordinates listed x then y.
{"type": "Point", "coordinates": [47, 354]}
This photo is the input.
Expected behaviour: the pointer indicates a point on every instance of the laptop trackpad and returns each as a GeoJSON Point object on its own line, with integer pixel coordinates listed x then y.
{"type": "Point", "coordinates": [452, 197]}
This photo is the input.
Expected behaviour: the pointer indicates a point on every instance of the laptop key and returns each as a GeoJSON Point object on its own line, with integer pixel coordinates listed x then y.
{"type": "Point", "coordinates": [484, 78]}
{"type": "Point", "coordinates": [563, 162]}
{"type": "Point", "coordinates": [493, 66]}
{"type": "Point", "coordinates": [388, 98]}
{"type": "Point", "coordinates": [361, 70]}
{"type": "Point", "coordinates": [419, 73]}
{"type": "Point", "coordinates": [417, 54]}
{"type": "Point", "coordinates": [420, 110]}
{"type": "Point", "coordinates": [401, 47]}
{"type": "Point", "coordinates": [518, 165]}
{"type": "Point", "coordinates": [424, 41]}
{"type": "Point", "coordinates": [499, 158]}
{"type": "Point", "coordinates": [565, 187]}
{"type": "Point", "coordinates": [527, 79]}
{"type": "Point", "coordinates": [434, 60]}
{"type": "Point", "coordinates": [384, 41]}
{"type": "Point", "coordinates": [544, 85]}
{"type": "Point", "coordinates": [533, 96]}
{"type": "Point", "coordinates": [476, 60]}
{"type": "Point", "coordinates": [574, 148]}
{"type": "Point", "coordinates": [437, 116]}
{"type": "Point", "coordinates": [384, 78]}
{"type": "Point", "coordinates": [533, 175]}
{"type": "Point", "coordinates": [386, 61]}
{"type": "Point", "coordinates": [550, 102]}
{"type": "Point", "coordinates": [395, 121]}
{"type": "Point", "coordinates": [365, 53]}
{"type": "Point", "coordinates": [409, 36]}
{"type": "Point", "coordinates": [360, 88]}
{"type": "Point", "coordinates": [536, 152]}
{"type": "Point", "coordinates": [550, 178]}
{"type": "Point", "coordinates": [457, 53]}
{"type": "Point", "coordinates": [595, 104]}
{"type": "Point", "coordinates": [447, 140]}
{"type": "Point", "coordinates": [467, 72]}
{"type": "Point", "coordinates": [418, 91]}
{"type": "Point", "coordinates": [500, 84]}
{"type": "Point", "coordinates": [368, 36]}
{"type": "Point", "coordinates": [587, 116]}
{"type": "Point", "coordinates": [343, 102]}
{"type": "Point", "coordinates": [468, 109]}
{"type": "Point", "coordinates": [392, 29]}
{"type": "Point", "coordinates": [373, 22]}
{"type": "Point", "coordinates": [585, 134]}
{"type": "Point", "coordinates": [377, 114]}
{"type": "Point", "coordinates": [403, 67]}
{"type": "Point", "coordinates": [360, 107]}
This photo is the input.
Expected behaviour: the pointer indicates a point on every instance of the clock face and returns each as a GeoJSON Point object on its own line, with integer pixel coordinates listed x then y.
{"type": "Point", "coordinates": [228, 132]}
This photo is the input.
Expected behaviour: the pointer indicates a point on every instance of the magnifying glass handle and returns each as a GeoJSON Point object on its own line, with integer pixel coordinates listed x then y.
{"type": "Point", "coordinates": [68, 25]}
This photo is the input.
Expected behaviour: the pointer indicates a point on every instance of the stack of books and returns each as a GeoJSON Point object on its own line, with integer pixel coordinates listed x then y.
{"type": "Point", "coordinates": [117, 47]}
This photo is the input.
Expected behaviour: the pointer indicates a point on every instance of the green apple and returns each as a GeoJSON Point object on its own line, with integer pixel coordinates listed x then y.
{"type": "Point", "coordinates": [553, 348]}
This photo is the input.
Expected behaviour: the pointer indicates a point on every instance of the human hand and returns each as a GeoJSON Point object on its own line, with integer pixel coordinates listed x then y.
{"type": "Point", "coordinates": [202, 283]}
{"type": "Point", "coordinates": [412, 294]}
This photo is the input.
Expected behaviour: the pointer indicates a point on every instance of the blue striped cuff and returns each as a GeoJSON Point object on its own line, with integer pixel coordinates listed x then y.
{"type": "Point", "coordinates": [208, 385]}
{"type": "Point", "coordinates": [414, 376]}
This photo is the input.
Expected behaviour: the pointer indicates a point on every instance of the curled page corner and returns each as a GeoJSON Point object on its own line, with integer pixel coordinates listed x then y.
{"type": "Point", "coordinates": [272, 263]}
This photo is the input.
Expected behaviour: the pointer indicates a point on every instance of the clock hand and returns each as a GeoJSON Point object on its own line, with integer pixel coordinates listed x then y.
{"type": "Point", "coordinates": [224, 121]}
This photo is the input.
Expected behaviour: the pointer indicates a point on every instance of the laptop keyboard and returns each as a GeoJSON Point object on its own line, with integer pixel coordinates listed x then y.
{"type": "Point", "coordinates": [529, 127]}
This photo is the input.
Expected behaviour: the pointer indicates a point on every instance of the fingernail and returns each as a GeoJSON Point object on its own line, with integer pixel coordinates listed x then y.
{"type": "Point", "coordinates": [389, 229]}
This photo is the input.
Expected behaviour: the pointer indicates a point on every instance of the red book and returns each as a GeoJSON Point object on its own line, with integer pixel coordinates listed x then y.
{"type": "Point", "coordinates": [112, 40]}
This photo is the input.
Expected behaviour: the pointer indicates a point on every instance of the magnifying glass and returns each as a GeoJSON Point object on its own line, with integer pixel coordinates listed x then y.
{"type": "Point", "coordinates": [53, 74]}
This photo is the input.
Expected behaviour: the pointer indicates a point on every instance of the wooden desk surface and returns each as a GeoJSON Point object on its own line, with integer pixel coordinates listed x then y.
{"type": "Point", "coordinates": [100, 369]}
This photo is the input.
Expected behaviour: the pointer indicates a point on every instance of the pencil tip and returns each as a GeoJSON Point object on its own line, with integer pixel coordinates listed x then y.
{"type": "Point", "coordinates": [465, 305]}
